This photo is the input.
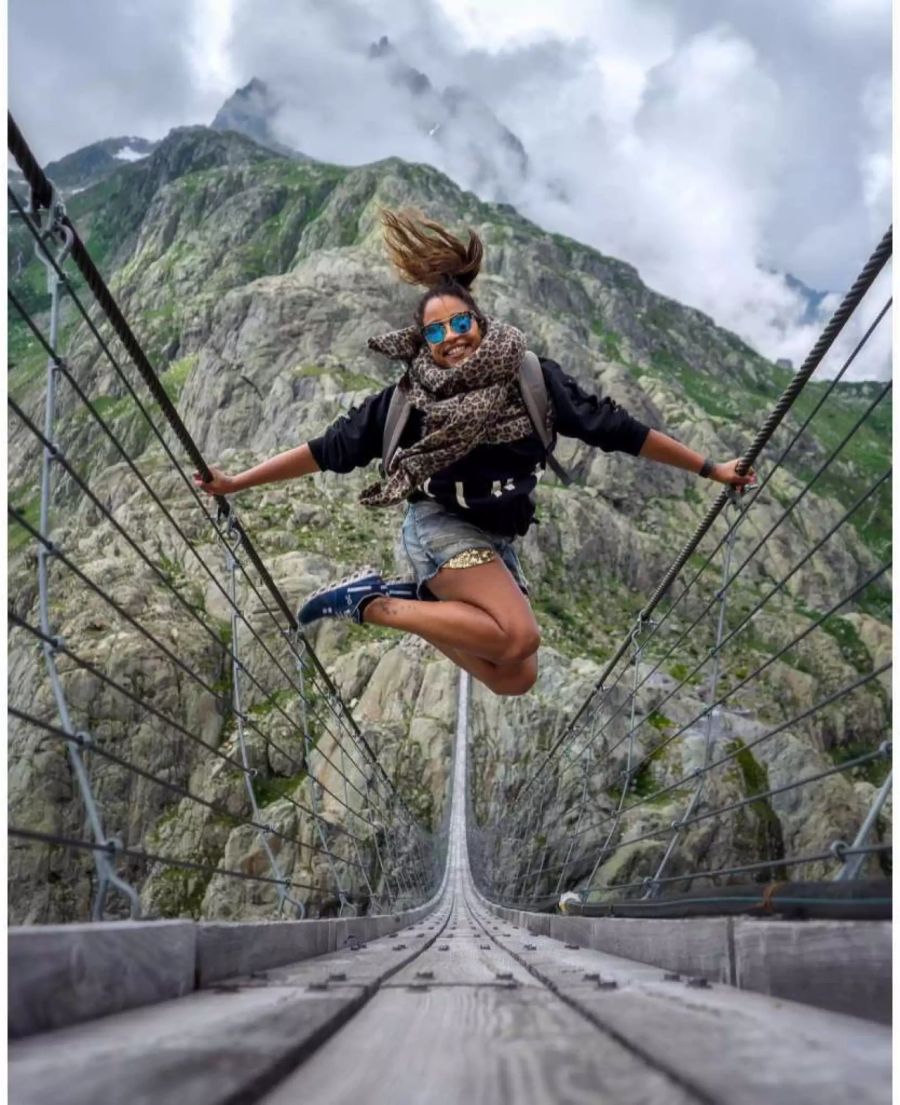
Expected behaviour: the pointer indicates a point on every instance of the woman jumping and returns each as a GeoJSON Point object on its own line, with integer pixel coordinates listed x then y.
{"type": "Point", "coordinates": [466, 464]}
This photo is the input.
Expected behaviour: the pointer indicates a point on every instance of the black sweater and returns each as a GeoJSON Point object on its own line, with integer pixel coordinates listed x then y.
{"type": "Point", "coordinates": [493, 485]}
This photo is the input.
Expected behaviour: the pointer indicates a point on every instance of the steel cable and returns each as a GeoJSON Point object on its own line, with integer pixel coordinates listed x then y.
{"type": "Point", "coordinates": [131, 345]}
{"type": "Point", "coordinates": [92, 745]}
{"type": "Point", "coordinates": [86, 665]}
{"type": "Point", "coordinates": [37, 434]}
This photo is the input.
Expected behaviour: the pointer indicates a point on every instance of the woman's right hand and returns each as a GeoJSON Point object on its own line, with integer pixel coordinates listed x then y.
{"type": "Point", "coordinates": [220, 484]}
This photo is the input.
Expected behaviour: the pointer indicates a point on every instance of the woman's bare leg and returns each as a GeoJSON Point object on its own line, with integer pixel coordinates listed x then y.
{"type": "Point", "coordinates": [483, 623]}
{"type": "Point", "coordinates": [514, 678]}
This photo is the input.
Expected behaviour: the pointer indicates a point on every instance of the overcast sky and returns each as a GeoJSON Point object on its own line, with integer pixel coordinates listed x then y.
{"type": "Point", "coordinates": [704, 141]}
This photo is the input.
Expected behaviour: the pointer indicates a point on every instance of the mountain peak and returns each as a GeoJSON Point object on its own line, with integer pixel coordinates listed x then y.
{"type": "Point", "coordinates": [250, 111]}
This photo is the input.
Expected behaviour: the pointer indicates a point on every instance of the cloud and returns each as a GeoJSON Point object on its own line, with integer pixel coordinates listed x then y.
{"type": "Point", "coordinates": [91, 70]}
{"type": "Point", "coordinates": [707, 142]}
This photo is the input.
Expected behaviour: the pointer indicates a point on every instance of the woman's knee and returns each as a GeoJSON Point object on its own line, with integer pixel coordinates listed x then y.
{"type": "Point", "coordinates": [515, 679]}
{"type": "Point", "coordinates": [522, 643]}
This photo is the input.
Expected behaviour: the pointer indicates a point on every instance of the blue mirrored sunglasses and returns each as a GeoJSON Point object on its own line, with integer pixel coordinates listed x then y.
{"type": "Point", "coordinates": [459, 324]}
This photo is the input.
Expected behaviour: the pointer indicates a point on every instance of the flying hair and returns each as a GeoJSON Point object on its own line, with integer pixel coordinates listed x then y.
{"type": "Point", "coordinates": [424, 252]}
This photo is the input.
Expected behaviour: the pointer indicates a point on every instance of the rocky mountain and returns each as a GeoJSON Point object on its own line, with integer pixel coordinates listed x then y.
{"type": "Point", "coordinates": [252, 281]}
{"type": "Point", "coordinates": [812, 298]}
{"type": "Point", "coordinates": [465, 129]}
{"type": "Point", "coordinates": [88, 166]}
{"type": "Point", "coordinates": [250, 112]}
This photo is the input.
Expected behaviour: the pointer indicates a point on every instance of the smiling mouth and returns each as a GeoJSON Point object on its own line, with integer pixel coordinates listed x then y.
{"type": "Point", "coordinates": [458, 353]}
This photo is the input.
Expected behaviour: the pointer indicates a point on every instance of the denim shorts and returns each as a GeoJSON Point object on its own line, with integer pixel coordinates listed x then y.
{"type": "Point", "coordinates": [432, 535]}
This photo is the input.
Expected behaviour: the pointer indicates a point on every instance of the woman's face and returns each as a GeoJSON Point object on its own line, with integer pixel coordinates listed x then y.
{"type": "Point", "coordinates": [453, 348]}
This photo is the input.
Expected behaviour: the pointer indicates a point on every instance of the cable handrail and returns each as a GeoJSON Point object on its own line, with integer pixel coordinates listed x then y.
{"type": "Point", "coordinates": [294, 627]}
{"type": "Point", "coordinates": [403, 852]}
{"type": "Point", "coordinates": [596, 779]}
{"type": "Point", "coordinates": [851, 301]}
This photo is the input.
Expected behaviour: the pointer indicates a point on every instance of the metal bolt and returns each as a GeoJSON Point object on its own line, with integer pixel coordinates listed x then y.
{"type": "Point", "coordinates": [424, 974]}
{"type": "Point", "coordinates": [592, 976]}
{"type": "Point", "coordinates": [485, 947]}
{"type": "Point", "coordinates": [698, 983]}
{"type": "Point", "coordinates": [531, 947]}
{"type": "Point", "coordinates": [443, 947]}
{"type": "Point", "coordinates": [399, 947]}
{"type": "Point", "coordinates": [337, 976]}
{"type": "Point", "coordinates": [504, 975]}
{"type": "Point", "coordinates": [419, 935]}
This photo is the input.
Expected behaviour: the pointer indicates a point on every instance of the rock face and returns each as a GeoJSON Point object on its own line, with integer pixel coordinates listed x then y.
{"type": "Point", "coordinates": [78, 171]}
{"type": "Point", "coordinates": [253, 281]}
{"type": "Point", "coordinates": [250, 112]}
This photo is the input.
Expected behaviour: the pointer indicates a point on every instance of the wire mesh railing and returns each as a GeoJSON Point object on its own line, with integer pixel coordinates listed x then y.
{"type": "Point", "coordinates": [741, 730]}
{"type": "Point", "coordinates": [213, 767]}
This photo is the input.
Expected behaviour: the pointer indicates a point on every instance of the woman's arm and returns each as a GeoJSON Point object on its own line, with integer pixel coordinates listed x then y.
{"type": "Point", "coordinates": [660, 447]}
{"type": "Point", "coordinates": [603, 423]}
{"type": "Point", "coordinates": [351, 442]}
{"type": "Point", "coordinates": [286, 466]}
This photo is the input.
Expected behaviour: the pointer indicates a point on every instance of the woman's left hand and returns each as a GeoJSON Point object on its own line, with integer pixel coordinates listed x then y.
{"type": "Point", "coordinates": [727, 473]}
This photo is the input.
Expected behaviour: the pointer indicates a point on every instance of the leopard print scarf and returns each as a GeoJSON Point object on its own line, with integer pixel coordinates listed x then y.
{"type": "Point", "coordinates": [474, 403]}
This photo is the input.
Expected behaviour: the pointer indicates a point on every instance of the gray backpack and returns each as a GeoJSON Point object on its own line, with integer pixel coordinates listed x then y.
{"type": "Point", "coordinates": [534, 396]}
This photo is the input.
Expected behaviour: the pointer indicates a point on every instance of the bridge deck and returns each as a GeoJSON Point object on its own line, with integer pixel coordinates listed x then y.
{"type": "Point", "coordinates": [461, 1007]}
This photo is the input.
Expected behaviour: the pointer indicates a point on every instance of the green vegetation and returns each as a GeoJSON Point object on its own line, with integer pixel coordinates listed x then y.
{"type": "Point", "coordinates": [610, 341]}
{"type": "Point", "coordinates": [851, 645]}
{"type": "Point", "coordinates": [175, 376]}
{"type": "Point", "coordinates": [578, 619]}
{"type": "Point", "coordinates": [864, 459]}
{"type": "Point", "coordinates": [644, 785]}
{"type": "Point", "coordinates": [680, 671]}
{"type": "Point", "coordinates": [769, 843]}
{"type": "Point", "coordinates": [275, 787]}
{"type": "Point", "coordinates": [17, 536]}
{"type": "Point", "coordinates": [349, 380]}
{"type": "Point", "coordinates": [712, 396]}
{"type": "Point", "coordinates": [180, 892]}
{"type": "Point", "coordinates": [875, 771]}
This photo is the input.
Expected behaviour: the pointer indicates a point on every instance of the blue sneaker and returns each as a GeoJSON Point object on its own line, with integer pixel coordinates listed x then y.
{"type": "Point", "coordinates": [345, 599]}
{"type": "Point", "coordinates": [401, 588]}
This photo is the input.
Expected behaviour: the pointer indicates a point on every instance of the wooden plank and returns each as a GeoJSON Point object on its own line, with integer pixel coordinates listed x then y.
{"type": "Point", "coordinates": [64, 974]}
{"type": "Point", "coordinates": [203, 1049]}
{"type": "Point", "coordinates": [469, 959]}
{"type": "Point", "coordinates": [226, 949]}
{"type": "Point", "coordinates": [228, 1042]}
{"type": "Point", "coordinates": [696, 945]}
{"type": "Point", "coordinates": [844, 966]}
{"type": "Point", "coordinates": [734, 1047]}
{"type": "Point", "coordinates": [473, 1045]}
{"type": "Point", "coordinates": [229, 948]}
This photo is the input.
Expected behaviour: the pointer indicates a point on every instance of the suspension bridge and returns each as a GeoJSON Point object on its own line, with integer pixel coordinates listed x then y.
{"type": "Point", "coordinates": [654, 916]}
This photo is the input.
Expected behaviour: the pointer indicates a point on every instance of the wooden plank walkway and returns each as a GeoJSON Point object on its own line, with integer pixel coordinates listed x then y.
{"type": "Point", "coordinates": [460, 1008]}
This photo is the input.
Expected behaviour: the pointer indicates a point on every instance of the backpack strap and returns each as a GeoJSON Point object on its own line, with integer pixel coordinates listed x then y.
{"type": "Point", "coordinates": [534, 394]}
{"type": "Point", "coordinates": [394, 425]}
